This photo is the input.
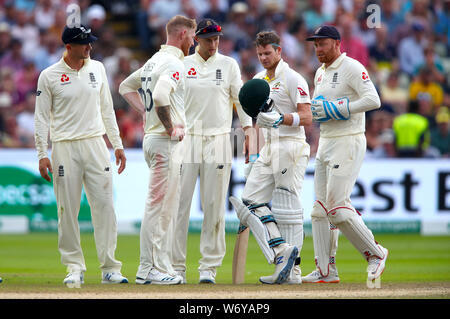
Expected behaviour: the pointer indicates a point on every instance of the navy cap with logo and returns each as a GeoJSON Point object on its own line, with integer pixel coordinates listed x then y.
{"type": "Point", "coordinates": [78, 35]}
{"type": "Point", "coordinates": [323, 32]}
{"type": "Point", "coordinates": [208, 28]}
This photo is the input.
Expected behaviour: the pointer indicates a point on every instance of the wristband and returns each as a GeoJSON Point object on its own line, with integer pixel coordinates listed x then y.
{"type": "Point", "coordinates": [295, 119]}
{"type": "Point", "coordinates": [253, 157]}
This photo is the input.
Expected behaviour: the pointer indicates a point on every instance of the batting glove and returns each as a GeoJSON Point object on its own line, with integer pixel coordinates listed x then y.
{"type": "Point", "coordinates": [269, 119]}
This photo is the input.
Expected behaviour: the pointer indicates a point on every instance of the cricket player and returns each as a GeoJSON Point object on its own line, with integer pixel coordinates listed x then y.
{"type": "Point", "coordinates": [74, 102]}
{"type": "Point", "coordinates": [212, 87]}
{"type": "Point", "coordinates": [343, 93]}
{"type": "Point", "coordinates": [277, 174]}
{"type": "Point", "coordinates": [157, 90]}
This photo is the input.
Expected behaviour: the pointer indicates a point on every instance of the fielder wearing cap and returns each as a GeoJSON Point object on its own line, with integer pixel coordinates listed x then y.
{"type": "Point", "coordinates": [213, 81]}
{"type": "Point", "coordinates": [279, 98]}
{"type": "Point", "coordinates": [343, 92]}
{"type": "Point", "coordinates": [74, 103]}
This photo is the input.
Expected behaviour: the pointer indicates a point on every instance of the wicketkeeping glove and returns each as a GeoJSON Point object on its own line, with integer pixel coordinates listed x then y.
{"type": "Point", "coordinates": [323, 110]}
{"type": "Point", "coordinates": [270, 119]}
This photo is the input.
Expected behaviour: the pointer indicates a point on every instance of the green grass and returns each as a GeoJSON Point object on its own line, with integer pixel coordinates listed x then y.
{"type": "Point", "coordinates": [34, 260]}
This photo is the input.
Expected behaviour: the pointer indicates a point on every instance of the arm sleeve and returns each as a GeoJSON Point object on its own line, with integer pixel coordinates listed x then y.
{"type": "Point", "coordinates": [368, 96]}
{"type": "Point", "coordinates": [235, 86]}
{"type": "Point", "coordinates": [131, 84]}
{"type": "Point", "coordinates": [167, 82]}
{"type": "Point", "coordinates": [108, 114]}
{"type": "Point", "coordinates": [42, 115]}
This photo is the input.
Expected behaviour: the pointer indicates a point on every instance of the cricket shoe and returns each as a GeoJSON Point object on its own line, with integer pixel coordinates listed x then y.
{"type": "Point", "coordinates": [74, 279]}
{"type": "Point", "coordinates": [207, 277]}
{"type": "Point", "coordinates": [376, 265]}
{"type": "Point", "coordinates": [295, 278]}
{"type": "Point", "coordinates": [113, 278]}
{"type": "Point", "coordinates": [155, 277]}
{"type": "Point", "coordinates": [284, 262]}
{"type": "Point", "coordinates": [317, 278]}
{"type": "Point", "coordinates": [182, 274]}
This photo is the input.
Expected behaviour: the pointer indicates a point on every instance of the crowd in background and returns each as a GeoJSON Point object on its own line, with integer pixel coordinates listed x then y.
{"type": "Point", "coordinates": [406, 53]}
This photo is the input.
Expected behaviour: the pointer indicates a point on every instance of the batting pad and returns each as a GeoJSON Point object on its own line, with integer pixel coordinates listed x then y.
{"type": "Point", "coordinates": [263, 226]}
{"type": "Point", "coordinates": [288, 213]}
{"type": "Point", "coordinates": [356, 231]}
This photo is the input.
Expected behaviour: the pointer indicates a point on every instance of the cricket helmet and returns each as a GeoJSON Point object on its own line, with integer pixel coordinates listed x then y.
{"type": "Point", "coordinates": [254, 97]}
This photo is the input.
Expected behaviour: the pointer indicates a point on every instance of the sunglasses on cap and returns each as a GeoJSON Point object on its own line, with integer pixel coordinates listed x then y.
{"type": "Point", "coordinates": [209, 29]}
{"type": "Point", "coordinates": [85, 33]}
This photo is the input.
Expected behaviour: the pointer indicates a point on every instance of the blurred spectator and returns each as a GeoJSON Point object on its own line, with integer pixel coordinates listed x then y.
{"type": "Point", "coordinates": [215, 12]}
{"type": "Point", "coordinates": [291, 51]}
{"type": "Point", "coordinates": [25, 121]}
{"type": "Point", "coordinates": [425, 85]}
{"type": "Point", "coordinates": [386, 145]}
{"type": "Point", "coordinates": [411, 49]}
{"type": "Point", "coordinates": [440, 135]}
{"type": "Point", "coordinates": [13, 58]}
{"type": "Point", "coordinates": [26, 80]}
{"type": "Point", "coordinates": [315, 15]}
{"type": "Point", "coordinates": [57, 27]}
{"type": "Point", "coordinates": [441, 22]}
{"type": "Point", "coordinates": [393, 94]}
{"type": "Point", "coordinates": [5, 38]}
{"type": "Point", "coordinates": [44, 14]}
{"type": "Point", "coordinates": [412, 135]}
{"type": "Point", "coordinates": [391, 17]}
{"type": "Point", "coordinates": [382, 51]}
{"type": "Point", "coordinates": [26, 32]}
{"type": "Point", "coordinates": [351, 44]}
{"type": "Point", "coordinates": [49, 52]}
{"type": "Point", "coordinates": [433, 63]}
{"type": "Point", "coordinates": [96, 17]}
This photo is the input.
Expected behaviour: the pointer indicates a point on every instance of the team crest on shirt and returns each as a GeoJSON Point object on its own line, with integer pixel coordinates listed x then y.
{"type": "Point", "coordinates": [218, 79]}
{"type": "Point", "coordinates": [92, 80]}
{"type": "Point", "coordinates": [335, 81]}
{"type": "Point", "coordinates": [276, 87]}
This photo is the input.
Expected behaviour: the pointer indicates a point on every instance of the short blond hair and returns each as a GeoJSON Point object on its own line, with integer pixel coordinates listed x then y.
{"type": "Point", "coordinates": [178, 21]}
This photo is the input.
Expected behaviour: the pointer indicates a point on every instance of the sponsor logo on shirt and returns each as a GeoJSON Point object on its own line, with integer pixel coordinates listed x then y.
{"type": "Point", "coordinates": [302, 92]}
{"type": "Point", "coordinates": [319, 79]}
{"type": "Point", "coordinates": [176, 76]}
{"type": "Point", "coordinates": [365, 77]}
{"type": "Point", "coordinates": [192, 73]}
{"type": "Point", "coordinates": [64, 79]}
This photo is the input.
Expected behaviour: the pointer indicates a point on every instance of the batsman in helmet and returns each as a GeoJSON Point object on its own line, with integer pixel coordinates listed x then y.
{"type": "Point", "coordinates": [270, 205]}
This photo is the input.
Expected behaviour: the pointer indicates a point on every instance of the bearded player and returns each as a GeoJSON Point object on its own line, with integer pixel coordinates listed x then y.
{"type": "Point", "coordinates": [343, 93]}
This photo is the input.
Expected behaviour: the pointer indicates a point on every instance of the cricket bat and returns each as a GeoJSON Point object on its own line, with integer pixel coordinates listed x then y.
{"type": "Point", "coordinates": [240, 255]}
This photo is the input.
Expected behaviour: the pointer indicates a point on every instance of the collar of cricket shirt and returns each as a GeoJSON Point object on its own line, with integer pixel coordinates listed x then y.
{"type": "Point", "coordinates": [173, 50]}
{"type": "Point", "coordinates": [337, 62]}
{"type": "Point", "coordinates": [278, 70]}
{"type": "Point", "coordinates": [200, 58]}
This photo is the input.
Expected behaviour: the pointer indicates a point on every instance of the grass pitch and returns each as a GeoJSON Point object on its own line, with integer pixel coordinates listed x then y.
{"type": "Point", "coordinates": [417, 268]}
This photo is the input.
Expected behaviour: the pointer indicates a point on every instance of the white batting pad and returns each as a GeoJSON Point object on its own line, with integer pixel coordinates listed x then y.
{"type": "Point", "coordinates": [356, 231]}
{"type": "Point", "coordinates": [288, 213]}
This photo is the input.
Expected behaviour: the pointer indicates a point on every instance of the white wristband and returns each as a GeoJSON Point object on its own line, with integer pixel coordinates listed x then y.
{"type": "Point", "coordinates": [295, 119]}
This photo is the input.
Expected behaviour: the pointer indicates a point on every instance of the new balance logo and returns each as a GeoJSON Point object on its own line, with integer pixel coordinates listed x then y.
{"type": "Point", "coordinates": [279, 260]}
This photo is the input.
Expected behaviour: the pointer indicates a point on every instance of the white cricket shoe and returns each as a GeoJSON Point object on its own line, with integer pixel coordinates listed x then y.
{"type": "Point", "coordinates": [113, 278]}
{"type": "Point", "coordinates": [295, 278]}
{"type": "Point", "coordinates": [284, 262]}
{"type": "Point", "coordinates": [1, 280]}
{"type": "Point", "coordinates": [74, 279]}
{"type": "Point", "coordinates": [317, 278]}
{"type": "Point", "coordinates": [207, 277]}
{"type": "Point", "coordinates": [376, 265]}
{"type": "Point", "coordinates": [155, 277]}
{"type": "Point", "coordinates": [182, 274]}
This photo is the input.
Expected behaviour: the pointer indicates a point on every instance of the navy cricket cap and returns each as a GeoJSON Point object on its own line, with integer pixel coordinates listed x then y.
{"type": "Point", "coordinates": [78, 35]}
{"type": "Point", "coordinates": [323, 32]}
{"type": "Point", "coordinates": [208, 28]}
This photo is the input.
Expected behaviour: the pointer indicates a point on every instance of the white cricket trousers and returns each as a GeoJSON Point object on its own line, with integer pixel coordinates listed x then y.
{"type": "Point", "coordinates": [281, 164]}
{"type": "Point", "coordinates": [210, 158]}
{"type": "Point", "coordinates": [76, 164]}
{"type": "Point", "coordinates": [164, 158]}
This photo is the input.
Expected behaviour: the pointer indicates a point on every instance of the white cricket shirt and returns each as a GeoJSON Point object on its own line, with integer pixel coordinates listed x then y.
{"type": "Point", "coordinates": [167, 63]}
{"type": "Point", "coordinates": [287, 89]}
{"type": "Point", "coordinates": [345, 77]}
{"type": "Point", "coordinates": [212, 87]}
{"type": "Point", "coordinates": [74, 105]}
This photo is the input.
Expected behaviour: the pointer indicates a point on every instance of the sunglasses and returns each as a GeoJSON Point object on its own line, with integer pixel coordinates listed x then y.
{"type": "Point", "coordinates": [84, 35]}
{"type": "Point", "coordinates": [208, 29]}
